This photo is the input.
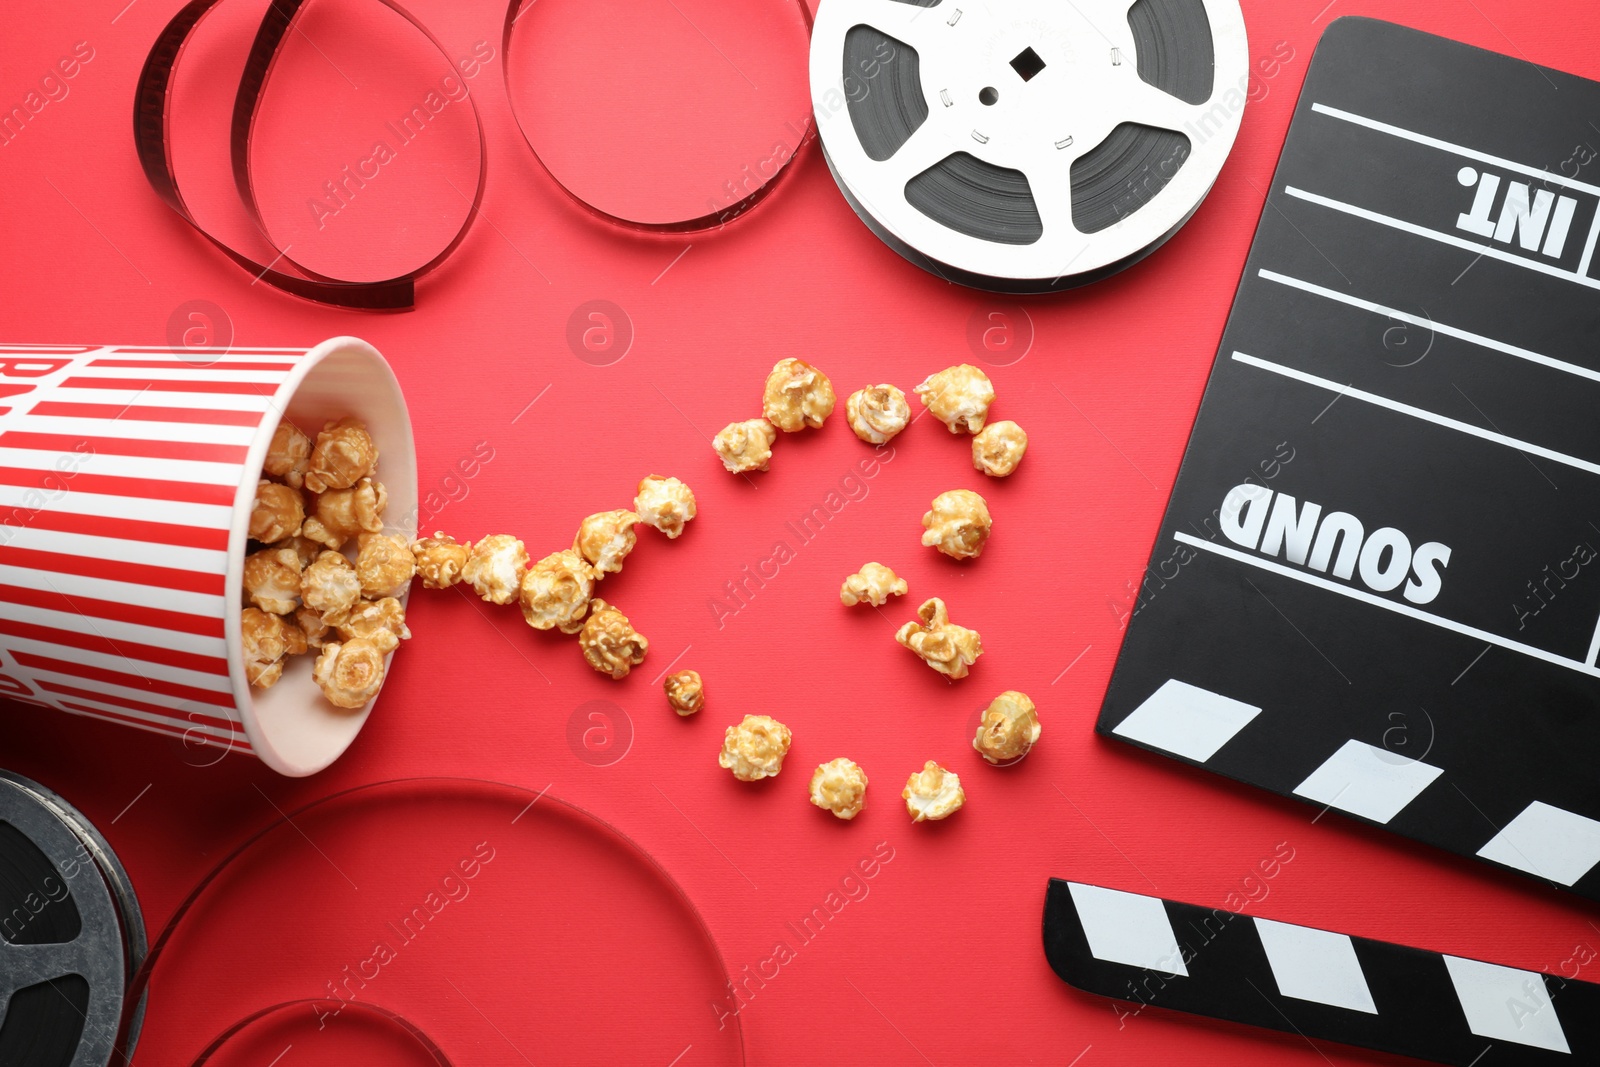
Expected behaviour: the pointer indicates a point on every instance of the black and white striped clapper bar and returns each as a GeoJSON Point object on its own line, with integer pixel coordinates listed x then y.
{"type": "Point", "coordinates": [1152, 952]}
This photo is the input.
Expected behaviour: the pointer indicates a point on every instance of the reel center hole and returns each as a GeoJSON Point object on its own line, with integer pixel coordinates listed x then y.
{"type": "Point", "coordinates": [988, 95]}
{"type": "Point", "coordinates": [1026, 63]}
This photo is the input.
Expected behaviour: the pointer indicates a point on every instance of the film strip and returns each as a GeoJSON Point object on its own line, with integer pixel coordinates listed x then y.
{"type": "Point", "coordinates": [150, 136]}
{"type": "Point", "coordinates": [1332, 611]}
{"type": "Point", "coordinates": [1027, 146]}
{"type": "Point", "coordinates": [71, 935]}
{"type": "Point", "coordinates": [1298, 979]}
{"type": "Point", "coordinates": [414, 1045]}
{"type": "Point", "coordinates": [153, 143]}
{"type": "Point", "coordinates": [503, 868]}
{"type": "Point", "coordinates": [715, 216]}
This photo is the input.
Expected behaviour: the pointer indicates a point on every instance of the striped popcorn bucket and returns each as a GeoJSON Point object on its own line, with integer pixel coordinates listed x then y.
{"type": "Point", "coordinates": [127, 478]}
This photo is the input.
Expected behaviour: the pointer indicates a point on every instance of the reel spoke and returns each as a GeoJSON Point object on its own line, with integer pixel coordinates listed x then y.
{"type": "Point", "coordinates": [1052, 196]}
{"type": "Point", "coordinates": [927, 146]}
{"type": "Point", "coordinates": [908, 23]}
{"type": "Point", "coordinates": [22, 966]}
{"type": "Point", "coordinates": [1152, 107]}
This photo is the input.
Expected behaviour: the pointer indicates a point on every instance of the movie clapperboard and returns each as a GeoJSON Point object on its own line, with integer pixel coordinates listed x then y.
{"type": "Point", "coordinates": [1377, 584]}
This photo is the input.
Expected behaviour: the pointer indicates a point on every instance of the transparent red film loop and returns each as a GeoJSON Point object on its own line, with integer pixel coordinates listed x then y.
{"type": "Point", "coordinates": [435, 918]}
{"type": "Point", "coordinates": [151, 126]}
{"type": "Point", "coordinates": [597, 121]}
{"type": "Point", "coordinates": [406, 1044]}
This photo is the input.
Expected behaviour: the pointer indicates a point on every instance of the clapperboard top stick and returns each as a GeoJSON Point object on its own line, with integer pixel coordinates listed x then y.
{"type": "Point", "coordinates": [1151, 952]}
{"type": "Point", "coordinates": [1376, 585]}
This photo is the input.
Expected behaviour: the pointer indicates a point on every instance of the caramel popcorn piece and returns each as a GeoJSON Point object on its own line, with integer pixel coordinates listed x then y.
{"type": "Point", "coordinates": [877, 413]}
{"type": "Point", "coordinates": [664, 503]}
{"type": "Point", "coordinates": [303, 547]}
{"type": "Point", "coordinates": [745, 446]}
{"type": "Point", "coordinates": [933, 793]}
{"type": "Point", "coordinates": [873, 584]}
{"type": "Point", "coordinates": [959, 397]}
{"type": "Point", "coordinates": [1009, 728]}
{"type": "Point", "coordinates": [755, 748]}
{"type": "Point", "coordinates": [344, 454]}
{"type": "Point", "coordinates": [609, 642]}
{"type": "Point", "coordinates": [685, 692]}
{"type": "Point", "coordinates": [266, 640]}
{"type": "Point", "coordinates": [440, 560]}
{"type": "Point", "coordinates": [384, 565]}
{"type": "Point", "coordinates": [383, 622]}
{"type": "Point", "coordinates": [294, 638]}
{"type": "Point", "coordinates": [330, 587]}
{"type": "Point", "coordinates": [998, 449]}
{"type": "Point", "coordinates": [555, 592]}
{"type": "Point", "coordinates": [313, 625]}
{"type": "Point", "coordinates": [494, 568]}
{"type": "Point", "coordinates": [606, 538]}
{"type": "Point", "coordinates": [340, 514]}
{"type": "Point", "coordinates": [840, 786]}
{"type": "Point", "coordinates": [958, 524]}
{"type": "Point", "coordinates": [288, 454]}
{"type": "Point", "coordinates": [349, 673]}
{"type": "Point", "coordinates": [797, 395]}
{"type": "Point", "coordinates": [272, 580]}
{"type": "Point", "coordinates": [944, 646]}
{"type": "Point", "coordinates": [279, 512]}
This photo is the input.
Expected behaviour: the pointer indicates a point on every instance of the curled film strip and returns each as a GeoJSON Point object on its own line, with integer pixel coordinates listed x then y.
{"type": "Point", "coordinates": [152, 138]}
{"type": "Point", "coordinates": [152, 99]}
{"type": "Point", "coordinates": [1204, 961]}
{"type": "Point", "coordinates": [559, 889]}
{"type": "Point", "coordinates": [1026, 146]}
{"type": "Point", "coordinates": [71, 935]}
{"type": "Point", "coordinates": [404, 1043]}
{"type": "Point", "coordinates": [713, 213]}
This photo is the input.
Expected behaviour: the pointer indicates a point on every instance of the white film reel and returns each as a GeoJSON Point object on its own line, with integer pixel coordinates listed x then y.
{"type": "Point", "coordinates": [1027, 145]}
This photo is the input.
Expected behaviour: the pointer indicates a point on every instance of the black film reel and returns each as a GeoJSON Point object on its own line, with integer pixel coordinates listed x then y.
{"type": "Point", "coordinates": [71, 935]}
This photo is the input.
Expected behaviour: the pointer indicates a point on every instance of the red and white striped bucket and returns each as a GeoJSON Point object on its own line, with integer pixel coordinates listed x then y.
{"type": "Point", "coordinates": [127, 478]}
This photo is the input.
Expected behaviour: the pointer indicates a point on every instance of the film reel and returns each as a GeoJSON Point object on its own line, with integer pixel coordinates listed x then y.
{"type": "Point", "coordinates": [71, 935]}
{"type": "Point", "coordinates": [1027, 146]}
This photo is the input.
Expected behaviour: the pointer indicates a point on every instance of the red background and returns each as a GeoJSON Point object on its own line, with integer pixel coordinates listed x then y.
{"type": "Point", "coordinates": [943, 957]}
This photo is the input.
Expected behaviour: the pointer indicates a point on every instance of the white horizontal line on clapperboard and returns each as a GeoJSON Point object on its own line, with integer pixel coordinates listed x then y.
{"type": "Point", "coordinates": [1419, 413]}
{"type": "Point", "coordinates": [1460, 150]}
{"type": "Point", "coordinates": [1483, 157]}
{"type": "Point", "coordinates": [1445, 238]}
{"type": "Point", "coordinates": [1437, 327]}
{"type": "Point", "coordinates": [1390, 605]}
